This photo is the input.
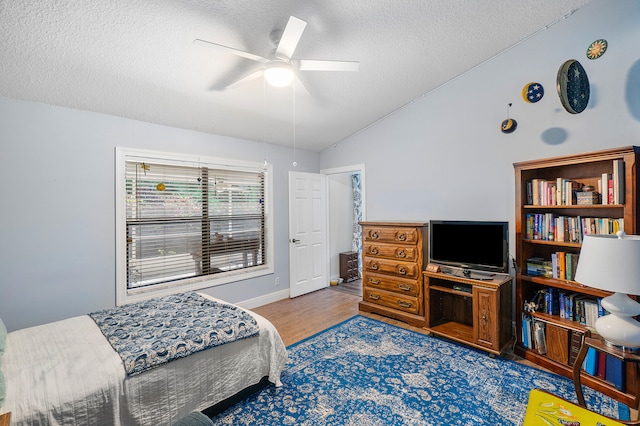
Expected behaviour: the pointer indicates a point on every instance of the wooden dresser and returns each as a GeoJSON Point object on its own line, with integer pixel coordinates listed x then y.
{"type": "Point", "coordinates": [393, 257]}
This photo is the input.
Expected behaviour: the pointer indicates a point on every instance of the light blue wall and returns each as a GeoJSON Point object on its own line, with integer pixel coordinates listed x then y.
{"type": "Point", "coordinates": [57, 221]}
{"type": "Point", "coordinates": [443, 156]}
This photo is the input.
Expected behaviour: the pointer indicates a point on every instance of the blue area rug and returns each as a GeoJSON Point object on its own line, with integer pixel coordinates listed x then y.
{"type": "Point", "coordinates": [366, 372]}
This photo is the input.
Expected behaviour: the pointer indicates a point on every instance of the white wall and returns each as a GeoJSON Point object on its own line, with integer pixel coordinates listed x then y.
{"type": "Point", "coordinates": [443, 156]}
{"type": "Point", "coordinates": [340, 218]}
{"type": "Point", "coordinates": [57, 221]}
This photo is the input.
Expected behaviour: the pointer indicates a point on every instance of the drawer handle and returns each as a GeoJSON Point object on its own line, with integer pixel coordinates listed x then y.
{"type": "Point", "coordinates": [402, 270]}
{"type": "Point", "coordinates": [405, 287]}
{"type": "Point", "coordinates": [372, 281]}
{"type": "Point", "coordinates": [402, 236]}
{"type": "Point", "coordinates": [374, 234]}
{"type": "Point", "coordinates": [374, 266]}
{"type": "Point", "coordinates": [373, 250]}
{"type": "Point", "coordinates": [374, 296]}
{"type": "Point", "coordinates": [402, 253]}
{"type": "Point", "coordinates": [405, 304]}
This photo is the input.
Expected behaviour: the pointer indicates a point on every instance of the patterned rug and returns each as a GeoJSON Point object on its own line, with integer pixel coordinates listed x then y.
{"type": "Point", "coordinates": [366, 372]}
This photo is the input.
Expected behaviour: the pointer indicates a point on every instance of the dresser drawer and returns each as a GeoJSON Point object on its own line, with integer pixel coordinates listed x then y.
{"type": "Point", "coordinates": [389, 266]}
{"type": "Point", "coordinates": [392, 300]}
{"type": "Point", "coordinates": [391, 235]}
{"type": "Point", "coordinates": [395, 284]}
{"type": "Point", "coordinates": [408, 253]}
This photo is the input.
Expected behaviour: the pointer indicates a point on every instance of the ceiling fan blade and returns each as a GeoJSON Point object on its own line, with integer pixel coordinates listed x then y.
{"type": "Point", "coordinates": [311, 65]}
{"type": "Point", "coordinates": [300, 88]}
{"type": "Point", "coordinates": [290, 37]}
{"type": "Point", "coordinates": [237, 52]}
{"type": "Point", "coordinates": [247, 78]}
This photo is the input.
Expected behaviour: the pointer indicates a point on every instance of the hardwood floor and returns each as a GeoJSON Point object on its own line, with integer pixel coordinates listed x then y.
{"type": "Point", "coordinates": [303, 316]}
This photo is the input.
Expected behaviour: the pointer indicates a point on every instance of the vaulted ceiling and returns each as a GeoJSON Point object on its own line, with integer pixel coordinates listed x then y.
{"type": "Point", "coordinates": [137, 58]}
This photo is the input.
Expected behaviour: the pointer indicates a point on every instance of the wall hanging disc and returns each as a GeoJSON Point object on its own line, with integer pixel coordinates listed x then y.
{"type": "Point", "coordinates": [597, 49]}
{"type": "Point", "coordinates": [532, 92]}
{"type": "Point", "coordinates": [509, 125]}
{"type": "Point", "coordinates": [161, 186]}
{"type": "Point", "coordinates": [573, 86]}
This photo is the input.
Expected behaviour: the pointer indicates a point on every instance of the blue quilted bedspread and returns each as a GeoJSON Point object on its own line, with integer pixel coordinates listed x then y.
{"type": "Point", "coordinates": [150, 333]}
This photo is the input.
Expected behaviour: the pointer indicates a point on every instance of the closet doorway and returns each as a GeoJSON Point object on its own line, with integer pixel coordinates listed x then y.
{"type": "Point", "coordinates": [346, 206]}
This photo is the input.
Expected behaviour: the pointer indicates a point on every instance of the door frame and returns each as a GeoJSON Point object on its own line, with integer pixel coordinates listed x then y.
{"type": "Point", "coordinates": [354, 168]}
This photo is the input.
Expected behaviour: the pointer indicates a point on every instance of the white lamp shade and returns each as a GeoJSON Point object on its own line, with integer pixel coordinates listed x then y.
{"type": "Point", "coordinates": [278, 73]}
{"type": "Point", "coordinates": [611, 263]}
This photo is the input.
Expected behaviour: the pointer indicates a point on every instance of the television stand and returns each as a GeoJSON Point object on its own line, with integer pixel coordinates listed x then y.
{"type": "Point", "coordinates": [474, 310]}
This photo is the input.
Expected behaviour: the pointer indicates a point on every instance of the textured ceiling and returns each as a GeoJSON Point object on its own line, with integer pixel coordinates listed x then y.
{"type": "Point", "coordinates": [137, 59]}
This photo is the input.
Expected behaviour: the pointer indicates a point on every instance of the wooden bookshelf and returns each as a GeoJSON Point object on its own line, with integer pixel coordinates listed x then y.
{"type": "Point", "coordinates": [587, 169]}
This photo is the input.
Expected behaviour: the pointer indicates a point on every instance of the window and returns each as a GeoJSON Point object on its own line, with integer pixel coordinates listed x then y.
{"type": "Point", "coordinates": [185, 223]}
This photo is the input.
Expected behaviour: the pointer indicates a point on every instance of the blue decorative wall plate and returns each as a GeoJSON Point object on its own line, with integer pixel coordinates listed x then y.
{"type": "Point", "coordinates": [573, 86]}
{"type": "Point", "coordinates": [532, 92]}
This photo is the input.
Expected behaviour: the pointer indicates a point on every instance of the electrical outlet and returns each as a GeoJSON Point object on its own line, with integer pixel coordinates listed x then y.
{"type": "Point", "coordinates": [277, 280]}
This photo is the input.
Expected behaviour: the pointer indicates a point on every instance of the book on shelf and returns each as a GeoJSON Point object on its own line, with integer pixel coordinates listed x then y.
{"type": "Point", "coordinates": [590, 363]}
{"type": "Point", "coordinates": [537, 266]}
{"type": "Point", "coordinates": [618, 182]}
{"type": "Point", "coordinates": [557, 192]}
{"type": "Point", "coordinates": [604, 187]}
{"type": "Point", "coordinates": [575, 346]}
{"type": "Point", "coordinates": [539, 337]}
{"type": "Point", "coordinates": [601, 364]}
{"type": "Point", "coordinates": [562, 191]}
{"type": "Point", "coordinates": [614, 372]}
{"type": "Point", "coordinates": [526, 331]}
{"type": "Point", "coordinates": [560, 228]}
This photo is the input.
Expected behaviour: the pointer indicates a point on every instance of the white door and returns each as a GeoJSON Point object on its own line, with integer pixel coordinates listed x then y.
{"type": "Point", "coordinates": [308, 266]}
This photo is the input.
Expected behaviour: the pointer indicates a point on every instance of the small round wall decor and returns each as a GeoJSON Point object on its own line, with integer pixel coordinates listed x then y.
{"type": "Point", "coordinates": [532, 92]}
{"type": "Point", "coordinates": [597, 49]}
{"type": "Point", "coordinates": [508, 126]}
{"type": "Point", "coordinates": [573, 86]}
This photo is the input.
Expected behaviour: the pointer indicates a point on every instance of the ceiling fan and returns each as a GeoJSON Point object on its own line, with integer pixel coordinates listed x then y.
{"type": "Point", "coordinates": [279, 68]}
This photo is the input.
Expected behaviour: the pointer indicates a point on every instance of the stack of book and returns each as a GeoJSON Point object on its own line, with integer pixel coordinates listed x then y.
{"type": "Point", "coordinates": [551, 227]}
{"type": "Point", "coordinates": [538, 267]}
{"type": "Point", "coordinates": [562, 192]}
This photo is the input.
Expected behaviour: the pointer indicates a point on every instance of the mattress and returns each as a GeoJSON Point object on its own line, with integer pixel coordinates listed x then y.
{"type": "Point", "coordinates": [49, 383]}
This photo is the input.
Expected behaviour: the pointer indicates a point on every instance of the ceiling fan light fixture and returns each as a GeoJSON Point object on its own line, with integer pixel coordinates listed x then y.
{"type": "Point", "coordinates": [278, 73]}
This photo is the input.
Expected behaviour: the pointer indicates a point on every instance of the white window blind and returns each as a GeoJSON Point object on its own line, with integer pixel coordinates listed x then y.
{"type": "Point", "coordinates": [188, 223]}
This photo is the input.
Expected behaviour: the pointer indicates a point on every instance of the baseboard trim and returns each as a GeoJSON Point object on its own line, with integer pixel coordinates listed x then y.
{"type": "Point", "coordinates": [264, 300]}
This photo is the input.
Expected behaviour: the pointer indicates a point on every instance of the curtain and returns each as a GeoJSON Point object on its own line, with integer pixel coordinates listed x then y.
{"type": "Point", "coordinates": [357, 217]}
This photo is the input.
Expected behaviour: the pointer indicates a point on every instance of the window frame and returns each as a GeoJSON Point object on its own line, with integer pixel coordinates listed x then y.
{"type": "Point", "coordinates": [124, 155]}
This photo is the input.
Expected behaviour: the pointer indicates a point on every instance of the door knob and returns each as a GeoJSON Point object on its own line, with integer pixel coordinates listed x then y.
{"type": "Point", "coordinates": [293, 240]}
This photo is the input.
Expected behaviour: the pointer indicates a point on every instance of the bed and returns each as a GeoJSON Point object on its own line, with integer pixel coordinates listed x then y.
{"type": "Point", "coordinates": [67, 373]}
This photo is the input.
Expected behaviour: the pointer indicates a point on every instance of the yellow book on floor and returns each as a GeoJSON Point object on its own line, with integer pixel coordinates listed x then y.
{"type": "Point", "coordinates": [545, 408]}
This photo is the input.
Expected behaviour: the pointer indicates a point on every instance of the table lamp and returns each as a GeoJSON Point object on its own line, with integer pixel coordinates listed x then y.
{"type": "Point", "coordinates": [612, 263]}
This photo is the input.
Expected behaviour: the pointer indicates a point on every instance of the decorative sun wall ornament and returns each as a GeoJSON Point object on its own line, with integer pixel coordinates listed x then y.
{"type": "Point", "coordinates": [597, 49]}
{"type": "Point", "coordinates": [573, 86]}
{"type": "Point", "coordinates": [532, 92]}
{"type": "Point", "coordinates": [509, 125]}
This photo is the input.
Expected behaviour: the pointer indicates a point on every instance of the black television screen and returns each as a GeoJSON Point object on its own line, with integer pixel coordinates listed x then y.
{"type": "Point", "coordinates": [470, 244]}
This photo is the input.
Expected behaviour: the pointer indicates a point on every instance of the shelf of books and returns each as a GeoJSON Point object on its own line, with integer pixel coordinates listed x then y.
{"type": "Point", "coordinates": [559, 201]}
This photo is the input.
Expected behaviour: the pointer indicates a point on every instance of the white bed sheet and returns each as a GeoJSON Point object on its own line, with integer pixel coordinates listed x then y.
{"type": "Point", "coordinates": [67, 373]}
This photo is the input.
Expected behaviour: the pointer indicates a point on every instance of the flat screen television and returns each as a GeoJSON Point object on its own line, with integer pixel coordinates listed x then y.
{"type": "Point", "coordinates": [472, 245]}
